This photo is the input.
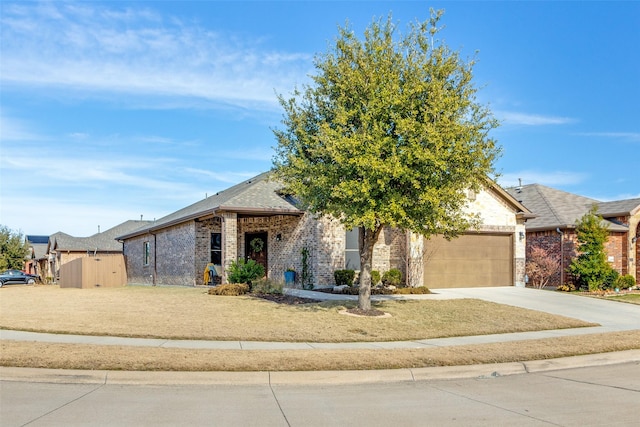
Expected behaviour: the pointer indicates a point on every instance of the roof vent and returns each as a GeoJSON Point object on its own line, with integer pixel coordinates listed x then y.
{"type": "Point", "coordinates": [519, 187]}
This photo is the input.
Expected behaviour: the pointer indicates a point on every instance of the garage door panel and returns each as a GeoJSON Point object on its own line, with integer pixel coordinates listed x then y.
{"type": "Point", "coordinates": [471, 260]}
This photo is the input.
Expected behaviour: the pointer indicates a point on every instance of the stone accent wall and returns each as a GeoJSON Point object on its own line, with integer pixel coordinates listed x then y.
{"type": "Point", "coordinates": [391, 252]}
{"type": "Point", "coordinates": [203, 229]}
{"type": "Point", "coordinates": [229, 241]}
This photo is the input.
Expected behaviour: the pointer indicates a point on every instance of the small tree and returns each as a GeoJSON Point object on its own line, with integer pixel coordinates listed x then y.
{"type": "Point", "coordinates": [389, 134]}
{"type": "Point", "coordinates": [13, 249]}
{"type": "Point", "coordinates": [590, 267]}
{"type": "Point", "coordinates": [541, 267]}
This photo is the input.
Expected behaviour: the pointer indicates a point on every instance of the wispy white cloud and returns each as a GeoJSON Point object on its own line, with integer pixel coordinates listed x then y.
{"type": "Point", "coordinates": [221, 176]}
{"type": "Point", "coordinates": [12, 129]}
{"type": "Point", "coordinates": [95, 49]}
{"type": "Point", "coordinates": [625, 136]}
{"type": "Point", "coordinates": [555, 178]}
{"type": "Point", "coordinates": [515, 118]}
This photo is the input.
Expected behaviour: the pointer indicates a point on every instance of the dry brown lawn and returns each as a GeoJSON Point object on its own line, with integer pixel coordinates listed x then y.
{"type": "Point", "coordinates": [190, 313]}
{"type": "Point", "coordinates": [68, 356]}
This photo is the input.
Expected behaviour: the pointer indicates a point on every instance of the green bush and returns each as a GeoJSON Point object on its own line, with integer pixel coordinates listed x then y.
{"type": "Point", "coordinates": [344, 277]}
{"type": "Point", "coordinates": [266, 286]}
{"type": "Point", "coordinates": [392, 277]}
{"type": "Point", "coordinates": [230, 289]}
{"type": "Point", "coordinates": [625, 282]}
{"type": "Point", "coordinates": [375, 277]}
{"type": "Point", "coordinates": [242, 271]}
{"type": "Point", "coordinates": [419, 290]}
{"type": "Point", "coordinates": [610, 279]}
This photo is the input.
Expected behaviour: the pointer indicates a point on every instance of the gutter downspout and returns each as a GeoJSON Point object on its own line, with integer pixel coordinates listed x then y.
{"type": "Point", "coordinates": [155, 262]}
{"type": "Point", "coordinates": [561, 255]}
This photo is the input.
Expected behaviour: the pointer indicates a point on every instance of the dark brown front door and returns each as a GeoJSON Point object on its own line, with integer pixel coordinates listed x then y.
{"type": "Point", "coordinates": [255, 248]}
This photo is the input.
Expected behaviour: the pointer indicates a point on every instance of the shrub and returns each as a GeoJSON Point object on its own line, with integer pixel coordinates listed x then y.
{"type": "Point", "coordinates": [610, 279]}
{"type": "Point", "coordinates": [418, 290]}
{"type": "Point", "coordinates": [351, 290]}
{"type": "Point", "coordinates": [266, 286]}
{"type": "Point", "coordinates": [566, 287]}
{"type": "Point", "coordinates": [230, 289]}
{"type": "Point", "coordinates": [344, 277]}
{"type": "Point", "coordinates": [541, 266]}
{"type": "Point", "coordinates": [392, 277]}
{"type": "Point", "coordinates": [375, 277]}
{"type": "Point", "coordinates": [625, 282]}
{"type": "Point", "coordinates": [242, 271]}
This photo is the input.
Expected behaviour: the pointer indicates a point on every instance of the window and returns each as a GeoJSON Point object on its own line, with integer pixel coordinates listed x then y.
{"type": "Point", "coordinates": [216, 248]}
{"type": "Point", "coordinates": [352, 250]}
{"type": "Point", "coordinates": [146, 253]}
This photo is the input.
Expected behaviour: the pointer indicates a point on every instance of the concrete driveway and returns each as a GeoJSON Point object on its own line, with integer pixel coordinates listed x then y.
{"type": "Point", "coordinates": [611, 315]}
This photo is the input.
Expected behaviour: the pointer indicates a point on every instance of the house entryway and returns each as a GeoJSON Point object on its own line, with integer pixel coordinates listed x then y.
{"type": "Point", "coordinates": [471, 260]}
{"type": "Point", "coordinates": [255, 248]}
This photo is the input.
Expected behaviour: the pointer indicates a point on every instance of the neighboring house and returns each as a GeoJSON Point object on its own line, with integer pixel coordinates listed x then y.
{"type": "Point", "coordinates": [36, 260]}
{"type": "Point", "coordinates": [557, 213]}
{"type": "Point", "coordinates": [255, 220]}
{"type": "Point", "coordinates": [63, 248]}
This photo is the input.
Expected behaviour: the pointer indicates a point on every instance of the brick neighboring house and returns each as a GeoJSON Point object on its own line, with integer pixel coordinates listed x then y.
{"type": "Point", "coordinates": [554, 226]}
{"type": "Point", "coordinates": [63, 248]}
{"type": "Point", "coordinates": [176, 249]}
{"type": "Point", "coordinates": [36, 260]}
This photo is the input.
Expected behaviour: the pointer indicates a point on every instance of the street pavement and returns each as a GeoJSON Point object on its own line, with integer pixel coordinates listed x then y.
{"type": "Point", "coordinates": [606, 395]}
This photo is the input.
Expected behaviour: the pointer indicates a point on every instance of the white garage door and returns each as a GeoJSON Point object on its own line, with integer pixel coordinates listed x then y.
{"type": "Point", "coordinates": [471, 260]}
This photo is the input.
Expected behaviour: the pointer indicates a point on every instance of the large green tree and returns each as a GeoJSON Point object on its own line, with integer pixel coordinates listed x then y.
{"type": "Point", "coordinates": [13, 249]}
{"type": "Point", "coordinates": [389, 133]}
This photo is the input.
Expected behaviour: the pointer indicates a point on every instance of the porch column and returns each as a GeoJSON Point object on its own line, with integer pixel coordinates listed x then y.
{"type": "Point", "coordinates": [229, 241]}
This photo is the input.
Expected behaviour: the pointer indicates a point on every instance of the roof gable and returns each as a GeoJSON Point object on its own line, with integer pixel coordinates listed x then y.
{"type": "Point", "coordinates": [619, 207]}
{"type": "Point", "coordinates": [99, 242]}
{"type": "Point", "coordinates": [556, 208]}
{"type": "Point", "coordinates": [255, 195]}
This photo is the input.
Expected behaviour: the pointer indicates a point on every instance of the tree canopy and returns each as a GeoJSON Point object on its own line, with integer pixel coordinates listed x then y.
{"type": "Point", "coordinates": [13, 249]}
{"type": "Point", "coordinates": [389, 133]}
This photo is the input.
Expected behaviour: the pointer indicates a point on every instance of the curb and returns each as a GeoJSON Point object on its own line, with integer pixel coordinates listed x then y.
{"type": "Point", "coordinates": [269, 378]}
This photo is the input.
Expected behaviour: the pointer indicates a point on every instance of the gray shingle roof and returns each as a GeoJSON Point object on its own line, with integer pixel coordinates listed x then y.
{"type": "Point", "coordinates": [556, 208]}
{"type": "Point", "coordinates": [619, 207]}
{"type": "Point", "coordinates": [100, 242]}
{"type": "Point", "coordinates": [39, 245]}
{"type": "Point", "coordinates": [255, 195]}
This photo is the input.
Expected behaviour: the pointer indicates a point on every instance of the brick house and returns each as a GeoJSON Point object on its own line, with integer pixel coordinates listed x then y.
{"type": "Point", "coordinates": [36, 260]}
{"type": "Point", "coordinates": [557, 213]}
{"type": "Point", "coordinates": [176, 249]}
{"type": "Point", "coordinates": [63, 248]}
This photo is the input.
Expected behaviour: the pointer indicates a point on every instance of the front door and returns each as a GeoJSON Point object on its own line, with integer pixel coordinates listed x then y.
{"type": "Point", "coordinates": [255, 248]}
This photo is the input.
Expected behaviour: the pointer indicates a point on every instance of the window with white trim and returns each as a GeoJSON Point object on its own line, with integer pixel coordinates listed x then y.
{"type": "Point", "coordinates": [352, 250]}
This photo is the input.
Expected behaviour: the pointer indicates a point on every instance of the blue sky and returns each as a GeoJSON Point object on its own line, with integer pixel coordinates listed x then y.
{"type": "Point", "coordinates": [112, 110]}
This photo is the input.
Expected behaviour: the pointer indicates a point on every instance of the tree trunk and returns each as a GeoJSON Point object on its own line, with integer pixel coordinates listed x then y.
{"type": "Point", "coordinates": [368, 239]}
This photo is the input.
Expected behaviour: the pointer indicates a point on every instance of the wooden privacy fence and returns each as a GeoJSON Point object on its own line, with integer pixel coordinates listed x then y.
{"type": "Point", "coordinates": [103, 271]}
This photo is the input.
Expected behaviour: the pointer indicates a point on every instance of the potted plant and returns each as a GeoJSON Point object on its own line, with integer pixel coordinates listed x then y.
{"type": "Point", "coordinates": [289, 276]}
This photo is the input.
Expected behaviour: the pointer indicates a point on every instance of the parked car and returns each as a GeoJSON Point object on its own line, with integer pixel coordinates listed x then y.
{"type": "Point", "coordinates": [17, 276]}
